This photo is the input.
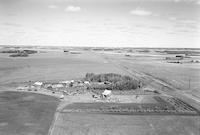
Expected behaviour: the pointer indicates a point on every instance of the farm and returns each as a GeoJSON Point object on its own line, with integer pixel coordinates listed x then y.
{"type": "Point", "coordinates": [159, 97]}
{"type": "Point", "coordinates": [99, 67]}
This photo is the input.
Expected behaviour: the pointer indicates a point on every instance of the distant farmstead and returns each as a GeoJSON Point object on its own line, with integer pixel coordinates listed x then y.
{"type": "Point", "coordinates": [58, 85]}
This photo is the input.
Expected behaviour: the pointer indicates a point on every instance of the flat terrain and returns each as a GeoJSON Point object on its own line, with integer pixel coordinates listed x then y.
{"type": "Point", "coordinates": [180, 80]}
{"type": "Point", "coordinates": [24, 113]}
{"type": "Point", "coordinates": [51, 66]}
{"type": "Point", "coordinates": [102, 124]}
{"type": "Point", "coordinates": [19, 116]}
{"type": "Point", "coordinates": [81, 116]}
{"type": "Point", "coordinates": [185, 77]}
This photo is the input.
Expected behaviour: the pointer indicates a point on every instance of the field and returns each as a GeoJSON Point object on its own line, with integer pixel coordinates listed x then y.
{"type": "Point", "coordinates": [182, 76]}
{"type": "Point", "coordinates": [51, 66]}
{"type": "Point", "coordinates": [102, 124]}
{"type": "Point", "coordinates": [87, 118]}
{"type": "Point", "coordinates": [26, 113]}
{"type": "Point", "coordinates": [155, 72]}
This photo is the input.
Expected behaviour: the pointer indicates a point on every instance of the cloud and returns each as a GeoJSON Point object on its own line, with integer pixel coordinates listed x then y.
{"type": "Point", "coordinates": [187, 1]}
{"type": "Point", "coordinates": [198, 2]}
{"type": "Point", "coordinates": [188, 21]}
{"type": "Point", "coordinates": [177, 0]}
{"type": "Point", "coordinates": [72, 9]}
{"type": "Point", "coordinates": [156, 27]}
{"type": "Point", "coordinates": [12, 24]}
{"type": "Point", "coordinates": [52, 6]}
{"type": "Point", "coordinates": [172, 18]}
{"type": "Point", "coordinates": [140, 12]}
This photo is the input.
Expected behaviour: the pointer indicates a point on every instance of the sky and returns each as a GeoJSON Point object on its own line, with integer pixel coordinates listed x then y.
{"type": "Point", "coordinates": [101, 23]}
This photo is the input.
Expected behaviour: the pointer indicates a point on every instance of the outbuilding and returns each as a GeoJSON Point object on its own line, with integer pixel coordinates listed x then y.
{"type": "Point", "coordinates": [38, 83]}
{"type": "Point", "coordinates": [62, 97]}
{"type": "Point", "coordinates": [106, 93]}
{"type": "Point", "coordinates": [59, 85]}
{"type": "Point", "coordinates": [86, 82]}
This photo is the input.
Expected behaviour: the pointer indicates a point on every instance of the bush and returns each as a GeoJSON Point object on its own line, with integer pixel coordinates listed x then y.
{"type": "Point", "coordinates": [11, 51]}
{"type": "Point", "coordinates": [110, 77]}
{"type": "Point", "coordinates": [118, 82]}
{"type": "Point", "coordinates": [101, 87]}
{"type": "Point", "coordinates": [19, 55]}
{"type": "Point", "coordinates": [30, 51]}
{"type": "Point", "coordinates": [126, 85]}
{"type": "Point", "coordinates": [20, 51]}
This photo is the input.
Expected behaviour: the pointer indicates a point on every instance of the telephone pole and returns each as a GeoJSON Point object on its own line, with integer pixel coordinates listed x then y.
{"type": "Point", "coordinates": [189, 82]}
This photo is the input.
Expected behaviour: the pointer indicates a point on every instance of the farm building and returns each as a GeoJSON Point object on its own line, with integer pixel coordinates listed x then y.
{"type": "Point", "coordinates": [38, 83]}
{"type": "Point", "coordinates": [177, 57]}
{"type": "Point", "coordinates": [106, 93]}
{"type": "Point", "coordinates": [62, 97]}
{"type": "Point", "coordinates": [107, 82]}
{"type": "Point", "coordinates": [86, 82]}
{"type": "Point", "coordinates": [180, 56]}
{"type": "Point", "coordinates": [65, 82]}
{"type": "Point", "coordinates": [59, 85]}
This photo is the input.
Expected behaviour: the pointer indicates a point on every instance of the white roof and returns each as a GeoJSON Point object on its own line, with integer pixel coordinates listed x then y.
{"type": "Point", "coordinates": [57, 86]}
{"type": "Point", "coordinates": [20, 88]}
{"type": "Point", "coordinates": [62, 96]}
{"type": "Point", "coordinates": [65, 82]}
{"type": "Point", "coordinates": [107, 92]}
{"type": "Point", "coordinates": [38, 83]}
{"type": "Point", "coordinates": [72, 81]}
{"type": "Point", "coordinates": [86, 82]}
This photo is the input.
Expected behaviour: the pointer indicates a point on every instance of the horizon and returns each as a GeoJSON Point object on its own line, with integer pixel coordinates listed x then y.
{"type": "Point", "coordinates": [112, 47]}
{"type": "Point", "coordinates": [100, 23]}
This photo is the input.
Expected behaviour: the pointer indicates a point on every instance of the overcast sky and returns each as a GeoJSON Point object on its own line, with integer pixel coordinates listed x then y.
{"type": "Point", "coordinates": [111, 23]}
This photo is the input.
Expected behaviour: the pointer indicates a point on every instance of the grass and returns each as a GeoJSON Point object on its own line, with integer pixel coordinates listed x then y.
{"type": "Point", "coordinates": [26, 113]}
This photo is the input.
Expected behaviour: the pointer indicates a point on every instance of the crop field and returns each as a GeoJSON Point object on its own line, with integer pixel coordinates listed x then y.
{"type": "Point", "coordinates": [102, 124]}
{"type": "Point", "coordinates": [163, 106]}
{"type": "Point", "coordinates": [166, 116]}
{"type": "Point", "coordinates": [26, 113]}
